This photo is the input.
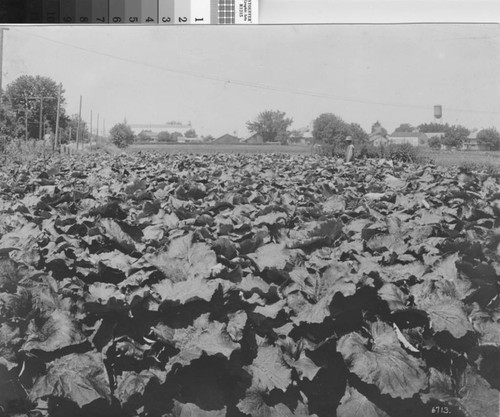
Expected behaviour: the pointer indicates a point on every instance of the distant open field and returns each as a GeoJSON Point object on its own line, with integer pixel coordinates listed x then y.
{"type": "Point", "coordinates": [445, 158]}
{"type": "Point", "coordinates": [448, 158]}
{"type": "Point", "coordinates": [209, 149]}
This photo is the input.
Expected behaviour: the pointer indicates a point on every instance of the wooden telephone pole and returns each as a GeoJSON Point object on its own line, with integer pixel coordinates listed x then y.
{"type": "Point", "coordinates": [56, 138]}
{"type": "Point", "coordinates": [78, 126]}
{"type": "Point", "coordinates": [1, 68]}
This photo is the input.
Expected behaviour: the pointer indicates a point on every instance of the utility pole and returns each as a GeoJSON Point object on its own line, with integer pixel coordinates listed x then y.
{"type": "Point", "coordinates": [56, 138]}
{"type": "Point", "coordinates": [90, 133]}
{"type": "Point", "coordinates": [78, 126]}
{"type": "Point", "coordinates": [41, 98]}
{"type": "Point", "coordinates": [1, 68]}
{"type": "Point", "coordinates": [26, 116]}
{"type": "Point", "coordinates": [97, 133]}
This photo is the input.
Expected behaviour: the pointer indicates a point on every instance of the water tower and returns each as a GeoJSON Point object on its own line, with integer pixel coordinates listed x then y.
{"type": "Point", "coordinates": [438, 112]}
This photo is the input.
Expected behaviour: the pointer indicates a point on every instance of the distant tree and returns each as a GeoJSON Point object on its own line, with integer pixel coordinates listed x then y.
{"type": "Point", "coordinates": [10, 127]}
{"type": "Point", "coordinates": [23, 93]}
{"type": "Point", "coordinates": [191, 133]}
{"type": "Point", "coordinates": [331, 129]}
{"type": "Point", "coordinates": [271, 125]}
{"type": "Point", "coordinates": [455, 136]}
{"type": "Point", "coordinates": [121, 135]}
{"type": "Point", "coordinates": [71, 129]}
{"type": "Point", "coordinates": [433, 127]}
{"type": "Point", "coordinates": [165, 136]}
{"type": "Point", "coordinates": [379, 129]}
{"type": "Point", "coordinates": [405, 127]}
{"type": "Point", "coordinates": [175, 136]}
{"type": "Point", "coordinates": [144, 136]}
{"type": "Point", "coordinates": [489, 137]}
{"type": "Point", "coordinates": [359, 136]}
{"type": "Point", "coordinates": [434, 142]}
{"type": "Point", "coordinates": [208, 138]}
{"type": "Point", "coordinates": [295, 136]}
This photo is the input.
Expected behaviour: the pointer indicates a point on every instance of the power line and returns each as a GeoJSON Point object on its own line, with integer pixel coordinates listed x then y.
{"type": "Point", "coordinates": [256, 85]}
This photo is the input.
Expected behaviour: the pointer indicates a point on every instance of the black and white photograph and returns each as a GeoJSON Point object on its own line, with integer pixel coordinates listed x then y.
{"type": "Point", "coordinates": [250, 220]}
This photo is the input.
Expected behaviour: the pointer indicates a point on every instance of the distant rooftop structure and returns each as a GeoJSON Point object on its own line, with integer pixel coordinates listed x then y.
{"type": "Point", "coordinates": [412, 138]}
{"type": "Point", "coordinates": [165, 127]}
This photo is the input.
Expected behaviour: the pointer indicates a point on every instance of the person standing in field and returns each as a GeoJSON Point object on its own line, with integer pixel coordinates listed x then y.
{"type": "Point", "coordinates": [349, 152]}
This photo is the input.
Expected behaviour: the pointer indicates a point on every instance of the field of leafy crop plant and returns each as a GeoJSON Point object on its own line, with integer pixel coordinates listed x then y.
{"type": "Point", "coordinates": [263, 285]}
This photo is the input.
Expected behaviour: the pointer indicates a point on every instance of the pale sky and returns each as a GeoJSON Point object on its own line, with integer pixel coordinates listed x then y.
{"type": "Point", "coordinates": [220, 77]}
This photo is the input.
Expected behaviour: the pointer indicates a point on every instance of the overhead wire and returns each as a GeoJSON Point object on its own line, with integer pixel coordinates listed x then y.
{"type": "Point", "coordinates": [250, 84]}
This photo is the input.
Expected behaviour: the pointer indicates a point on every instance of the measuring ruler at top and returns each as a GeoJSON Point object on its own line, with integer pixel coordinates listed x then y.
{"type": "Point", "coordinates": [145, 12]}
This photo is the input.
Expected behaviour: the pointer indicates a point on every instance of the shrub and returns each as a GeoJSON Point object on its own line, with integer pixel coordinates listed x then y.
{"type": "Point", "coordinates": [403, 152]}
{"type": "Point", "coordinates": [121, 135]}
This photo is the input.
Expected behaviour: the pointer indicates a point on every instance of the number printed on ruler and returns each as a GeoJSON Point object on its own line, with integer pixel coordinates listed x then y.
{"type": "Point", "coordinates": [200, 12]}
{"type": "Point", "coordinates": [83, 11]}
{"type": "Point", "coordinates": [182, 11]}
{"type": "Point", "coordinates": [149, 11]}
{"type": "Point", "coordinates": [166, 12]}
{"type": "Point", "coordinates": [116, 11]}
{"type": "Point", "coordinates": [132, 11]}
{"type": "Point", "coordinates": [100, 11]}
{"type": "Point", "coordinates": [67, 11]}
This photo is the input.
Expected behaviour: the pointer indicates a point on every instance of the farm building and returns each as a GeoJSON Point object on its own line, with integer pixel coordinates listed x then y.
{"type": "Point", "coordinates": [226, 139]}
{"type": "Point", "coordinates": [434, 135]}
{"type": "Point", "coordinates": [304, 136]}
{"type": "Point", "coordinates": [254, 139]}
{"type": "Point", "coordinates": [378, 139]}
{"type": "Point", "coordinates": [473, 144]}
{"type": "Point", "coordinates": [412, 138]}
{"type": "Point", "coordinates": [183, 139]}
{"type": "Point", "coordinates": [154, 129]}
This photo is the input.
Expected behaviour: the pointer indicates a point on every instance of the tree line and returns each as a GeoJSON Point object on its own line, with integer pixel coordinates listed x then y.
{"type": "Point", "coordinates": [23, 98]}
{"type": "Point", "coordinates": [331, 129]}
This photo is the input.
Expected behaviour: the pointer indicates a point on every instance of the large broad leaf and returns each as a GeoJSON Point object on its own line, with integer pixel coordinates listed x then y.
{"type": "Point", "coordinates": [192, 410]}
{"type": "Point", "coordinates": [486, 324]}
{"type": "Point", "coordinates": [9, 338]}
{"type": "Point", "coordinates": [185, 291]}
{"type": "Point", "coordinates": [394, 183]}
{"type": "Point", "coordinates": [336, 279]}
{"type": "Point", "coordinates": [385, 363]}
{"type": "Point", "coordinates": [274, 255]}
{"type": "Point", "coordinates": [268, 369]}
{"type": "Point", "coordinates": [387, 242]}
{"type": "Point", "coordinates": [129, 383]}
{"type": "Point", "coordinates": [475, 398]}
{"type": "Point", "coordinates": [236, 324]}
{"type": "Point", "coordinates": [185, 260]}
{"type": "Point", "coordinates": [316, 234]}
{"type": "Point", "coordinates": [355, 404]}
{"type": "Point", "coordinates": [58, 331]}
{"type": "Point", "coordinates": [447, 280]}
{"type": "Point", "coordinates": [295, 357]}
{"type": "Point", "coordinates": [80, 378]}
{"type": "Point", "coordinates": [117, 235]}
{"type": "Point", "coordinates": [395, 298]}
{"type": "Point", "coordinates": [445, 313]}
{"type": "Point", "coordinates": [254, 404]}
{"type": "Point", "coordinates": [440, 387]}
{"type": "Point", "coordinates": [204, 336]}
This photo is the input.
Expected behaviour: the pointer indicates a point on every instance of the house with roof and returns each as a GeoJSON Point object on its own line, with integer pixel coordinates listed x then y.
{"type": "Point", "coordinates": [253, 139]}
{"type": "Point", "coordinates": [473, 144]}
{"type": "Point", "coordinates": [226, 139]}
{"type": "Point", "coordinates": [438, 135]}
{"type": "Point", "coordinates": [378, 137]}
{"type": "Point", "coordinates": [183, 139]}
{"type": "Point", "coordinates": [411, 138]}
